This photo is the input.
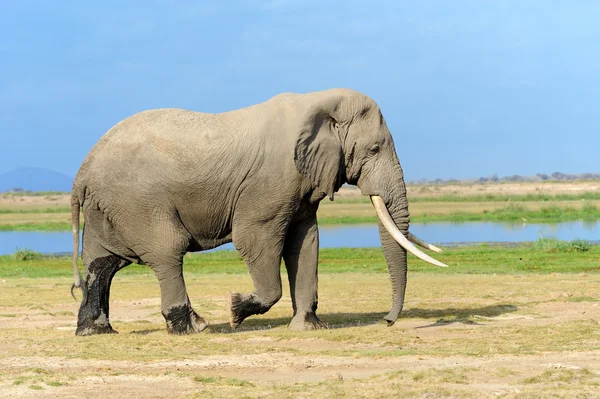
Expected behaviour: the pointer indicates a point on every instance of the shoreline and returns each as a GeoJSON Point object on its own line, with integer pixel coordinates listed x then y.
{"type": "Point", "coordinates": [546, 256]}
{"type": "Point", "coordinates": [492, 245]}
{"type": "Point", "coordinates": [544, 216]}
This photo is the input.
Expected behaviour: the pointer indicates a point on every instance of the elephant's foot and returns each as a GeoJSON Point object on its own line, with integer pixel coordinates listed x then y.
{"type": "Point", "coordinates": [91, 327]}
{"type": "Point", "coordinates": [306, 321]}
{"type": "Point", "coordinates": [242, 306]}
{"type": "Point", "coordinates": [183, 320]}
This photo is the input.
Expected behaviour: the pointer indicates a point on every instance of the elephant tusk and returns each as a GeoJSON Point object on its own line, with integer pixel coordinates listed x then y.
{"type": "Point", "coordinates": [391, 227]}
{"type": "Point", "coordinates": [416, 240]}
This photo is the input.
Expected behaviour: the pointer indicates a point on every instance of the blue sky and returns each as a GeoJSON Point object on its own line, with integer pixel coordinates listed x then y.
{"type": "Point", "coordinates": [468, 88]}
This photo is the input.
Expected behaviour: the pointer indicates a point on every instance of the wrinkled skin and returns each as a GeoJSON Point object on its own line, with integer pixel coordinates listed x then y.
{"type": "Point", "coordinates": [165, 182]}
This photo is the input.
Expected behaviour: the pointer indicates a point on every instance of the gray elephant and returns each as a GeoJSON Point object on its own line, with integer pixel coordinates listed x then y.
{"type": "Point", "coordinates": [165, 182]}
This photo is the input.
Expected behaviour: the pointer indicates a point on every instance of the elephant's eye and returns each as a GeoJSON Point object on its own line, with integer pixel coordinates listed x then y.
{"type": "Point", "coordinates": [374, 149]}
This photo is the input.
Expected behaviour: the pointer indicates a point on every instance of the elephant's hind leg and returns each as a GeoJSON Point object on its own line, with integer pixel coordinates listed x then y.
{"type": "Point", "coordinates": [166, 259]}
{"type": "Point", "coordinates": [93, 312]}
{"type": "Point", "coordinates": [175, 304]}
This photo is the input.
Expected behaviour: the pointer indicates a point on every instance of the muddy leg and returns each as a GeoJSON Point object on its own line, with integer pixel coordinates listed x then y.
{"type": "Point", "coordinates": [175, 303]}
{"type": "Point", "coordinates": [93, 312]}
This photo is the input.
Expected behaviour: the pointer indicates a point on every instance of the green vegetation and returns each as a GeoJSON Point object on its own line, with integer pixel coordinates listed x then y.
{"type": "Point", "coordinates": [35, 210]}
{"type": "Point", "coordinates": [553, 245]}
{"type": "Point", "coordinates": [509, 213]}
{"type": "Point", "coordinates": [26, 254]}
{"type": "Point", "coordinates": [518, 213]}
{"type": "Point", "coordinates": [34, 226]}
{"type": "Point", "coordinates": [544, 256]}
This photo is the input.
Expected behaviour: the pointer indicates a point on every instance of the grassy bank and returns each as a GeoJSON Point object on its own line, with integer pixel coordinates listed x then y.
{"type": "Point", "coordinates": [544, 256]}
{"type": "Point", "coordinates": [508, 213]}
{"type": "Point", "coordinates": [520, 213]}
{"type": "Point", "coordinates": [32, 226]}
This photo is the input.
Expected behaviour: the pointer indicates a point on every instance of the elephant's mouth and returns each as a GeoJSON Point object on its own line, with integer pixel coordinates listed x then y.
{"type": "Point", "coordinates": [405, 242]}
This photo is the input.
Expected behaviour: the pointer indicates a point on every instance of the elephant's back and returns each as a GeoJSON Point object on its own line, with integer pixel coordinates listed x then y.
{"type": "Point", "coordinates": [140, 130]}
{"type": "Point", "coordinates": [160, 149]}
{"type": "Point", "coordinates": [132, 150]}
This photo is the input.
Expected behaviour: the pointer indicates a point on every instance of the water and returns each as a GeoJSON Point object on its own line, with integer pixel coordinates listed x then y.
{"type": "Point", "coordinates": [359, 235]}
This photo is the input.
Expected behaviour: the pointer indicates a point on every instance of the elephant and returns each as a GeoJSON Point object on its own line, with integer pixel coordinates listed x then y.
{"type": "Point", "coordinates": [165, 182]}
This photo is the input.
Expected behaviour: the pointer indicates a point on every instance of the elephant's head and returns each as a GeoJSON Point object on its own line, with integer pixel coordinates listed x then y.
{"type": "Point", "coordinates": [344, 138]}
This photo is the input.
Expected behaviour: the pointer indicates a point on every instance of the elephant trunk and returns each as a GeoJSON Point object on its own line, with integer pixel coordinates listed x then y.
{"type": "Point", "coordinates": [395, 255]}
{"type": "Point", "coordinates": [396, 241]}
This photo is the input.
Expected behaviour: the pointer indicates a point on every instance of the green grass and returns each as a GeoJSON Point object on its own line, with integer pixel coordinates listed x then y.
{"type": "Point", "coordinates": [470, 260]}
{"type": "Point", "coordinates": [518, 213]}
{"type": "Point", "coordinates": [34, 210]}
{"type": "Point", "coordinates": [329, 220]}
{"type": "Point", "coordinates": [509, 213]}
{"type": "Point", "coordinates": [553, 245]}
{"type": "Point", "coordinates": [43, 226]}
{"type": "Point", "coordinates": [26, 254]}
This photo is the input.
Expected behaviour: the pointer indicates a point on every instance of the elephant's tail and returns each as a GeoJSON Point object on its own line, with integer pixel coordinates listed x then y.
{"type": "Point", "coordinates": [75, 226]}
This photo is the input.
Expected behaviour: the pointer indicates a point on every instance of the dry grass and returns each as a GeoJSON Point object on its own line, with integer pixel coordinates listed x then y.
{"type": "Point", "coordinates": [461, 335]}
{"type": "Point", "coordinates": [523, 188]}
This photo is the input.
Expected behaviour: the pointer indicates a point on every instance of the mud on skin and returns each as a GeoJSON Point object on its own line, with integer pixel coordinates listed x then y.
{"type": "Point", "coordinates": [184, 320]}
{"type": "Point", "coordinates": [93, 312]}
{"type": "Point", "coordinates": [242, 306]}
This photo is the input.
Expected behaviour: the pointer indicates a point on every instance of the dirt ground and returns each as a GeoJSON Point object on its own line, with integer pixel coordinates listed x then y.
{"type": "Point", "coordinates": [414, 358]}
{"type": "Point", "coordinates": [471, 189]}
{"type": "Point", "coordinates": [9, 201]}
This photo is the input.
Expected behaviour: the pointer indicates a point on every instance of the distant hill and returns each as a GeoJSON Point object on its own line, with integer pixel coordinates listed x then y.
{"type": "Point", "coordinates": [35, 179]}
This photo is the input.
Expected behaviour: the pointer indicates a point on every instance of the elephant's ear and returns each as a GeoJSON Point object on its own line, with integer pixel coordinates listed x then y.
{"type": "Point", "coordinates": [318, 154]}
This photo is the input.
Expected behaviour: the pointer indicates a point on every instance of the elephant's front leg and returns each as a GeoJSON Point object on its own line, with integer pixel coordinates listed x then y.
{"type": "Point", "coordinates": [301, 255]}
{"type": "Point", "coordinates": [261, 248]}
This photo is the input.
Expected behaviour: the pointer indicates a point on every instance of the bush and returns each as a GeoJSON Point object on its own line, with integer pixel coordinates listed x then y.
{"type": "Point", "coordinates": [588, 207]}
{"type": "Point", "coordinates": [554, 245]}
{"type": "Point", "coordinates": [26, 254]}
